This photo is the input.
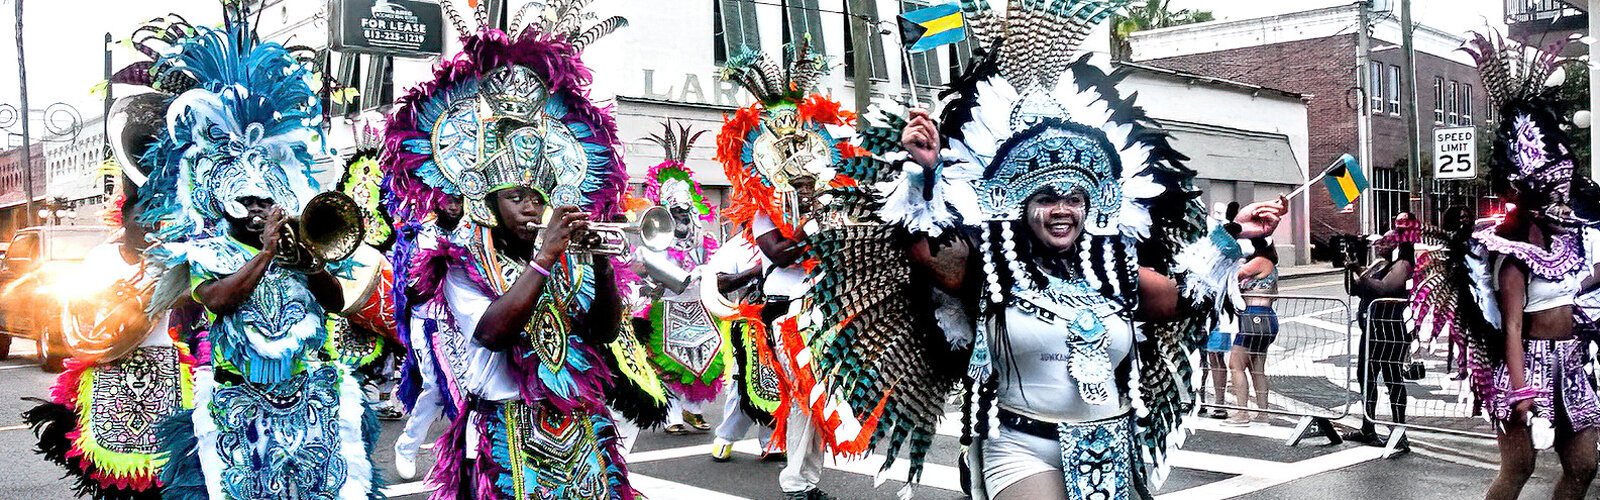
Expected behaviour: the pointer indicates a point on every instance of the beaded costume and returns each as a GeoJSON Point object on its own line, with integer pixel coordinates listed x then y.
{"type": "Point", "coordinates": [1023, 117]}
{"type": "Point", "coordinates": [790, 134]}
{"type": "Point", "coordinates": [244, 124]}
{"type": "Point", "coordinates": [512, 109]}
{"type": "Point", "coordinates": [687, 344]}
{"type": "Point", "coordinates": [1532, 166]}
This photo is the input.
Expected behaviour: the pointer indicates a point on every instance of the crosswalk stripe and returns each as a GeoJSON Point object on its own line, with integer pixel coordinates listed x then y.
{"type": "Point", "coordinates": [1260, 480]}
{"type": "Point", "coordinates": [403, 489]}
{"type": "Point", "coordinates": [660, 489]}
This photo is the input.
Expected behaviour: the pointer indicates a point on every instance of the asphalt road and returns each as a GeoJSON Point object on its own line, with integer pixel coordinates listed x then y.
{"type": "Point", "coordinates": [1216, 462]}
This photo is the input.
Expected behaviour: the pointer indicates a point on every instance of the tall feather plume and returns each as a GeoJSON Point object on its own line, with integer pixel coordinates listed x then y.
{"type": "Point", "coordinates": [516, 21]}
{"type": "Point", "coordinates": [1511, 72]}
{"type": "Point", "coordinates": [1040, 36]}
{"type": "Point", "coordinates": [981, 23]}
{"type": "Point", "coordinates": [676, 143]}
{"type": "Point", "coordinates": [456, 20]}
{"type": "Point", "coordinates": [598, 31]}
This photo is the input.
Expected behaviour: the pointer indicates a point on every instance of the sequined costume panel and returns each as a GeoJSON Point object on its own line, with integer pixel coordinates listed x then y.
{"type": "Point", "coordinates": [1097, 460]}
{"type": "Point", "coordinates": [528, 452]}
{"type": "Point", "coordinates": [282, 440]}
{"type": "Point", "coordinates": [131, 396]}
{"type": "Point", "coordinates": [273, 329]}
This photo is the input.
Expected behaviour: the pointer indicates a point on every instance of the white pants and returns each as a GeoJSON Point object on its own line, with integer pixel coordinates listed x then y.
{"type": "Point", "coordinates": [735, 424]}
{"type": "Point", "coordinates": [804, 467]}
{"type": "Point", "coordinates": [676, 407]}
{"type": "Point", "coordinates": [430, 403]}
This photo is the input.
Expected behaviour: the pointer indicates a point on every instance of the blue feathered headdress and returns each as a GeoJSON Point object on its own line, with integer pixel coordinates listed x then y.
{"type": "Point", "coordinates": [248, 127]}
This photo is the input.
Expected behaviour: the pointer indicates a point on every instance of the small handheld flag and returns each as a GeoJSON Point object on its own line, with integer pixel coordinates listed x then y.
{"type": "Point", "coordinates": [926, 29]}
{"type": "Point", "coordinates": [1343, 178]}
{"type": "Point", "coordinates": [1345, 181]}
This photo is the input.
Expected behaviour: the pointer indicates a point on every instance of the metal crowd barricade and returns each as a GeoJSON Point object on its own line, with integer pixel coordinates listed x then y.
{"type": "Point", "coordinates": [1309, 363]}
{"type": "Point", "coordinates": [1434, 396]}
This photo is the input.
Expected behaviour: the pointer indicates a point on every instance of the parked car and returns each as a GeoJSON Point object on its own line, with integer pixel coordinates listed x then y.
{"type": "Point", "coordinates": [34, 270]}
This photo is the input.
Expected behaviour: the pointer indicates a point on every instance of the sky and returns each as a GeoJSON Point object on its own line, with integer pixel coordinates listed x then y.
{"type": "Point", "coordinates": [63, 37]}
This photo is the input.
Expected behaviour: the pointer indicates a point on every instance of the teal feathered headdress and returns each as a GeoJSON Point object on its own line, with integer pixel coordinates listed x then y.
{"type": "Point", "coordinates": [247, 127]}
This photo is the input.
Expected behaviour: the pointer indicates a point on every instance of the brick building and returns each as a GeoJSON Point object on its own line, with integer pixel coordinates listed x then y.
{"type": "Point", "coordinates": [13, 201]}
{"type": "Point", "coordinates": [1313, 53]}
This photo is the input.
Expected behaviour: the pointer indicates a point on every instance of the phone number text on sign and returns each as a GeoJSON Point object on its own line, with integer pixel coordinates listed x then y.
{"type": "Point", "coordinates": [1455, 153]}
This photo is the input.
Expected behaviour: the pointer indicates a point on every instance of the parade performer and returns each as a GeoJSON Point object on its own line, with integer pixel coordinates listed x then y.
{"type": "Point", "coordinates": [126, 374]}
{"type": "Point", "coordinates": [753, 388]}
{"type": "Point", "coordinates": [436, 346]}
{"type": "Point", "coordinates": [1071, 255]}
{"type": "Point", "coordinates": [686, 343]}
{"type": "Point", "coordinates": [507, 125]}
{"type": "Point", "coordinates": [777, 154]}
{"type": "Point", "coordinates": [234, 158]}
{"type": "Point", "coordinates": [1523, 354]}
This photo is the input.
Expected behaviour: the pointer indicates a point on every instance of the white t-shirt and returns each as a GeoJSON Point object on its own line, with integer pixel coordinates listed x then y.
{"type": "Point", "coordinates": [789, 281]}
{"type": "Point", "coordinates": [487, 373]}
{"type": "Point", "coordinates": [1041, 355]}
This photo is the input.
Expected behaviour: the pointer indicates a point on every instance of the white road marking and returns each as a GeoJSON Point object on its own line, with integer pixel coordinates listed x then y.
{"type": "Point", "coordinates": [661, 489]}
{"type": "Point", "coordinates": [17, 427]}
{"type": "Point", "coordinates": [403, 489]}
{"type": "Point", "coordinates": [1318, 284]}
{"type": "Point", "coordinates": [1263, 479]}
{"type": "Point", "coordinates": [13, 367]}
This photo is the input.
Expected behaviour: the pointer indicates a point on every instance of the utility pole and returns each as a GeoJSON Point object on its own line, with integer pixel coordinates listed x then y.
{"type": "Point", "coordinates": [1408, 75]}
{"type": "Point", "coordinates": [109, 96]}
{"type": "Point", "coordinates": [1364, 107]}
{"type": "Point", "coordinates": [861, 31]}
{"type": "Point", "coordinates": [27, 147]}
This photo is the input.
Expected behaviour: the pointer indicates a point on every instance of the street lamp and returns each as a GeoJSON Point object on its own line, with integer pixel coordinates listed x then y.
{"type": "Point", "coordinates": [56, 209]}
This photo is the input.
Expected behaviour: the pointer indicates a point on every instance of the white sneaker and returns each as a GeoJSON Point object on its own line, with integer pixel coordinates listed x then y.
{"type": "Point", "coordinates": [406, 466]}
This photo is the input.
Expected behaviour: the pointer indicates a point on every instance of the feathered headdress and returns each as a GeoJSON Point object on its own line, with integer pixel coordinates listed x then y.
{"type": "Point", "coordinates": [247, 124]}
{"type": "Point", "coordinates": [670, 183]}
{"type": "Point", "coordinates": [790, 134]}
{"type": "Point", "coordinates": [1533, 162]}
{"type": "Point", "coordinates": [773, 84]}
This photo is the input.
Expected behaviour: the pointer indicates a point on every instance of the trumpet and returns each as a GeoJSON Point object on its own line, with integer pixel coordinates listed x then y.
{"type": "Point", "coordinates": [652, 231]}
{"type": "Point", "coordinates": [328, 229]}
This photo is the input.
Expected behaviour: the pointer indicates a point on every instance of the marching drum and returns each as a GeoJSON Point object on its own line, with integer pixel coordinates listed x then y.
{"type": "Point", "coordinates": [367, 300]}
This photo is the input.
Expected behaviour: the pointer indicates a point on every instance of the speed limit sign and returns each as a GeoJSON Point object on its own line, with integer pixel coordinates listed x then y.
{"type": "Point", "coordinates": [1455, 153]}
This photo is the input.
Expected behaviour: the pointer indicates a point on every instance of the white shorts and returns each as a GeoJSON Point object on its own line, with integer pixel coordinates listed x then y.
{"type": "Point", "coordinates": [1014, 455]}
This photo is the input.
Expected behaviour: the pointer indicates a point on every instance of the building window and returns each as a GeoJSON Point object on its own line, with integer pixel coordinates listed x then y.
{"type": "Point", "coordinates": [805, 23]}
{"type": "Point", "coordinates": [736, 28]}
{"type": "Point", "coordinates": [1453, 116]}
{"type": "Point", "coordinates": [924, 66]}
{"type": "Point", "coordinates": [880, 68]}
{"type": "Point", "coordinates": [1393, 90]}
{"type": "Point", "coordinates": [1466, 104]}
{"type": "Point", "coordinates": [1438, 100]}
{"type": "Point", "coordinates": [1375, 86]}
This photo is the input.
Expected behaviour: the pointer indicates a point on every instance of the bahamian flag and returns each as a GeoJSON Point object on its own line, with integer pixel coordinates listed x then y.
{"type": "Point", "coordinates": [926, 29]}
{"type": "Point", "coordinates": [1345, 181]}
